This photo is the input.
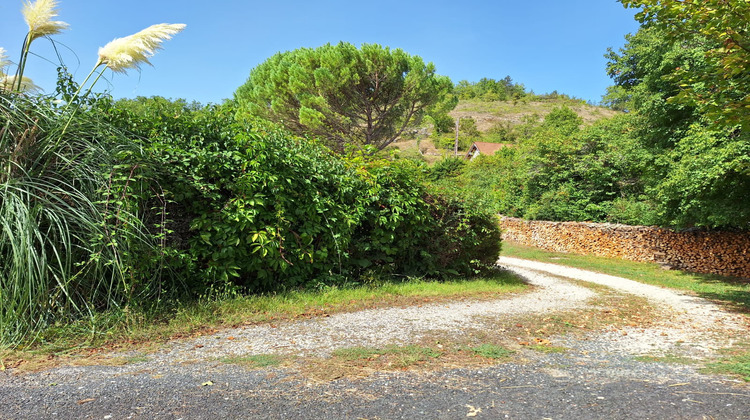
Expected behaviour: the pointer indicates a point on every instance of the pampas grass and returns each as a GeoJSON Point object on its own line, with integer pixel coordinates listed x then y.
{"type": "Point", "coordinates": [131, 51]}
{"type": "Point", "coordinates": [39, 15]}
{"type": "Point", "coordinates": [68, 244]}
{"type": "Point", "coordinates": [4, 62]}
{"type": "Point", "coordinates": [25, 85]}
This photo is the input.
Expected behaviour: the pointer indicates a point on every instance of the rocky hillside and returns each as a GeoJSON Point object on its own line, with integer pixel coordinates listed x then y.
{"type": "Point", "coordinates": [491, 117]}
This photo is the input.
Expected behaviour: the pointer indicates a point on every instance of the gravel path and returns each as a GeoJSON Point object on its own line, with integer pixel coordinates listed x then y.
{"type": "Point", "coordinates": [380, 327]}
{"type": "Point", "coordinates": [596, 378]}
{"type": "Point", "coordinates": [695, 324]}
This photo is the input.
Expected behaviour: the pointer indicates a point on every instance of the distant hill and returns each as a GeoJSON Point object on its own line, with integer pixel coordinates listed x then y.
{"type": "Point", "coordinates": [494, 116]}
{"type": "Point", "coordinates": [488, 114]}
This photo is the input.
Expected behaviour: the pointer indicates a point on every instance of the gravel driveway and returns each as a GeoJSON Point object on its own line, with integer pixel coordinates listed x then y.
{"type": "Point", "coordinates": [597, 377]}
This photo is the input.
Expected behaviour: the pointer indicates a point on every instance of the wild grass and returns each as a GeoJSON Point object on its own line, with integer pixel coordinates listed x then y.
{"type": "Point", "coordinates": [492, 351]}
{"type": "Point", "coordinates": [64, 241]}
{"type": "Point", "coordinates": [735, 361]}
{"type": "Point", "coordinates": [255, 361]}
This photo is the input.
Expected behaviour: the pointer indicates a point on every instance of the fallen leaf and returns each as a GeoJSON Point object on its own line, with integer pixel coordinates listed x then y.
{"type": "Point", "coordinates": [472, 411]}
{"type": "Point", "coordinates": [87, 400]}
{"type": "Point", "coordinates": [542, 341]}
{"type": "Point", "coordinates": [207, 383]}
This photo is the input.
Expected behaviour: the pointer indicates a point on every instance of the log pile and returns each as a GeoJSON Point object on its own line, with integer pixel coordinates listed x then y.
{"type": "Point", "coordinates": [718, 252]}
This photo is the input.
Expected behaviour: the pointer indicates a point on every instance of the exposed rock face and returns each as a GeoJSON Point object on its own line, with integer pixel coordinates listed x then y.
{"type": "Point", "coordinates": [718, 252]}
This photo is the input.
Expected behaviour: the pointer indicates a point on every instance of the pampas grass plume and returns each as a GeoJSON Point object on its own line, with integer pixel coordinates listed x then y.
{"type": "Point", "coordinates": [10, 83]}
{"type": "Point", "coordinates": [131, 51]}
{"type": "Point", "coordinates": [38, 16]}
{"type": "Point", "coordinates": [3, 59]}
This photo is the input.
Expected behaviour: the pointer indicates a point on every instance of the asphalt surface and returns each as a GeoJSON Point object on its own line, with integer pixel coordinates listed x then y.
{"type": "Point", "coordinates": [571, 385]}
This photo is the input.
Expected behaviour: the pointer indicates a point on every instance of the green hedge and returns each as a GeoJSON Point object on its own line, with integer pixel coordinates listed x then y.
{"type": "Point", "coordinates": [253, 210]}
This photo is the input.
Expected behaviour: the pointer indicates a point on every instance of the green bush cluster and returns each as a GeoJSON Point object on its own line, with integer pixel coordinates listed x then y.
{"type": "Point", "coordinates": [490, 89]}
{"type": "Point", "coordinates": [255, 211]}
{"type": "Point", "coordinates": [563, 172]}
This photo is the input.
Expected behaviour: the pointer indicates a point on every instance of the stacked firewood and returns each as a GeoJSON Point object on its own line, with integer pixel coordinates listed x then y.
{"type": "Point", "coordinates": [719, 252]}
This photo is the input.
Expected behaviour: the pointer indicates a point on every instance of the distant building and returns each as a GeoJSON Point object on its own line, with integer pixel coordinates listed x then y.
{"type": "Point", "coordinates": [484, 148]}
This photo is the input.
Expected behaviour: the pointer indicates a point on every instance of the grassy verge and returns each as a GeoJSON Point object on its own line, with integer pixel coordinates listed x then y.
{"type": "Point", "coordinates": [735, 361]}
{"type": "Point", "coordinates": [732, 293]}
{"type": "Point", "coordinates": [129, 329]}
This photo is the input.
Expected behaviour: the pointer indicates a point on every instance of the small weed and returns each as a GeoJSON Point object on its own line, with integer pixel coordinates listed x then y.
{"type": "Point", "coordinates": [357, 353]}
{"type": "Point", "coordinates": [254, 361]}
{"type": "Point", "coordinates": [548, 349]}
{"type": "Point", "coordinates": [666, 358]}
{"type": "Point", "coordinates": [395, 356]}
{"type": "Point", "coordinates": [736, 361]}
{"type": "Point", "coordinates": [136, 359]}
{"type": "Point", "coordinates": [492, 351]}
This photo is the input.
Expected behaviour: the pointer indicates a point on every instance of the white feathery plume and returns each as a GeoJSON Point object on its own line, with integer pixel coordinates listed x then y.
{"type": "Point", "coordinates": [130, 51]}
{"type": "Point", "coordinates": [38, 16]}
{"type": "Point", "coordinates": [10, 83]}
{"type": "Point", "coordinates": [3, 59]}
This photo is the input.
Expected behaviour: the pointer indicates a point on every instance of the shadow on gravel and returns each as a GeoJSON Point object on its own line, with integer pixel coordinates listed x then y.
{"type": "Point", "coordinates": [734, 292]}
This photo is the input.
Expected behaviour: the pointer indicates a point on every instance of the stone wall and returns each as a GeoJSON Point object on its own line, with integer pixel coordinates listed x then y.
{"type": "Point", "coordinates": [718, 252]}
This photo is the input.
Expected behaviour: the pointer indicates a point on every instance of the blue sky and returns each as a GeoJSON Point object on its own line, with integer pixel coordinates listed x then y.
{"type": "Point", "coordinates": [545, 44]}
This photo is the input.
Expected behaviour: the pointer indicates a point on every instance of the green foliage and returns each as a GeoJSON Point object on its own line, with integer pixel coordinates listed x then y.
{"type": "Point", "coordinates": [492, 351]}
{"type": "Point", "coordinates": [443, 123]}
{"type": "Point", "coordinates": [502, 132]}
{"type": "Point", "coordinates": [366, 96]}
{"type": "Point", "coordinates": [720, 87]}
{"type": "Point", "coordinates": [563, 172]}
{"type": "Point", "coordinates": [259, 212]}
{"type": "Point", "coordinates": [438, 113]}
{"type": "Point", "coordinates": [467, 134]}
{"type": "Point", "coordinates": [410, 230]}
{"type": "Point", "coordinates": [446, 167]}
{"type": "Point", "coordinates": [468, 127]}
{"type": "Point", "coordinates": [642, 72]}
{"type": "Point", "coordinates": [708, 183]}
{"type": "Point", "coordinates": [256, 211]}
{"type": "Point", "coordinates": [67, 239]}
{"type": "Point", "coordinates": [698, 172]}
{"type": "Point", "coordinates": [490, 89]}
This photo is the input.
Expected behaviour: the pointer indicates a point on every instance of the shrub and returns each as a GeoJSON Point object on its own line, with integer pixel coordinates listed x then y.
{"type": "Point", "coordinates": [412, 230]}
{"type": "Point", "coordinates": [446, 168]}
{"type": "Point", "coordinates": [265, 211]}
{"type": "Point", "coordinates": [262, 211]}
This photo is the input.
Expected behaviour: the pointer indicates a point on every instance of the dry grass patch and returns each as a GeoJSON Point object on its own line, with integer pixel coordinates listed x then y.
{"type": "Point", "coordinates": [255, 361]}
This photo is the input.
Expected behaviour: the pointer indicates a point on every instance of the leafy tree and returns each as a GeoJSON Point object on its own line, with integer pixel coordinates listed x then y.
{"type": "Point", "coordinates": [722, 87]}
{"type": "Point", "coordinates": [365, 96]}
{"type": "Point", "coordinates": [442, 122]}
{"type": "Point", "coordinates": [698, 174]}
{"type": "Point", "coordinates": [490, 89]}
{"type": "Point", "coordinates": [562, 119]}
{"type": "Point", "coordinates": [642, 71]}
{"type": "Point", "coordinates": [709, 180]}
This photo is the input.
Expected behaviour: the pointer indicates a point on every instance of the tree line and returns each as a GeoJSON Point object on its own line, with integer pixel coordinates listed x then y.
{"type": "Point", "coordinates": [678, 156]}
